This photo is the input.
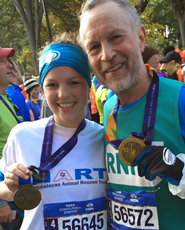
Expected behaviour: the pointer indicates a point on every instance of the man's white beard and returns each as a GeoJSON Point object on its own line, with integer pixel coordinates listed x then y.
{"type": "Point", "coordinates": [132, 79]}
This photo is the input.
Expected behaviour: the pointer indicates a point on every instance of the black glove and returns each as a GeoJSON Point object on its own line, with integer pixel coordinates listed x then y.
{"type": "Point", "coordinates": [159, 161]}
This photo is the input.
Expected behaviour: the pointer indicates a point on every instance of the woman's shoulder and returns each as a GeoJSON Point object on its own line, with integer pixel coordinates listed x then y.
{"type": "Point", "coordinates": [94, 127]}
{"type": "Point", "coordinates": [30, 127]}
{"type": "Point", "coordinates": [28, 102]}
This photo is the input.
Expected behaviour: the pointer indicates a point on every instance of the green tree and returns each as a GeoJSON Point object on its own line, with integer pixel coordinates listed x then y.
{"type": "Point", "coordinates": [162, 13]}
{"type": "Point", "coordinates": [179, 9]}
{"type": "Point", "coordinates": [31, 13]}
{"type": "Point", "coordinates": [66, 15]}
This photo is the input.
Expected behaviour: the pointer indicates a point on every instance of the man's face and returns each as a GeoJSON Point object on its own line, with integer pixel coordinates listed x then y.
{"type": "Point", "coordinates": [6, 76]}
{"type": "Point", "coordinates": [173, 67]}
{"type": "Point", "coordinates": [113, 48]}
{"type": "Point", "coordinates": [18, 75]}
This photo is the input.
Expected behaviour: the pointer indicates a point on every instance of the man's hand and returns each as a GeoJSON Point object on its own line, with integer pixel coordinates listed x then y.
{"type": "Point", "coordinates": [159, 161]}
{"type": "Point", "coordinates": [5, 214]}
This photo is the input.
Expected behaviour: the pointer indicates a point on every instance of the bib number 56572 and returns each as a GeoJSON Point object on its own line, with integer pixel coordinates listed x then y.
{"type": "Point", "coordinates": [133, 216]}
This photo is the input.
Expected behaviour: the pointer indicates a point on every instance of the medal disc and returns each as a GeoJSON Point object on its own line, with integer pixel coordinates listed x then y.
{"type": "Point", "coordinates": [27, 197]}
{"type": "Point", "coordinates": [128, 148]}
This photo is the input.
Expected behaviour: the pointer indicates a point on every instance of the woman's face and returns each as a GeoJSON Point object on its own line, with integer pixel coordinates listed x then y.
{"type": "Point", "coordinates": [34, 94]}
{"type": "Point", "coordinates": [66, 92]}
{"type": "Point", "coordinates": [154, 62]}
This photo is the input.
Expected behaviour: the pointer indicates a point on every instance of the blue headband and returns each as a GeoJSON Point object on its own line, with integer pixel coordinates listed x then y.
{"type": "Point", "coordinates": [61, 54]}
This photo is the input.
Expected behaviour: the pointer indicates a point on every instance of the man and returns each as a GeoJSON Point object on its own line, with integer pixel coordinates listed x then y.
{"type": "Point", "coordinates": [167, 49]}
{"type": "Point", "coordinates": [14, 91]}
{"type": "Point", "coordinates": [8, 120]}
{"type": "Point", "coordinates": [149, 109]}
{"type": "Point", "coordinates": [170, 64]}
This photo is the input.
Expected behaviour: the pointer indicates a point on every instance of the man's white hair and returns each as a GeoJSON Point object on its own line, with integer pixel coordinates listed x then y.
{"type": "Point", "coordinates": [134, 17]}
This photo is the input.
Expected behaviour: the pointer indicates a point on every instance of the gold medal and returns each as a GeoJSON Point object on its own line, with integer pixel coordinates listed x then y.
{"type": "Point", "coordinates": [128, 148]}
{"type": "Point", "coordinates": [27, 197]}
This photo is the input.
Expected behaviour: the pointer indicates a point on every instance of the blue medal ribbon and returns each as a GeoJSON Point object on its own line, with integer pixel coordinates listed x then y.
{"type": "Point", "coordinates": [149, 115]}
{"type": "Point", "coordinates": [49, 161]}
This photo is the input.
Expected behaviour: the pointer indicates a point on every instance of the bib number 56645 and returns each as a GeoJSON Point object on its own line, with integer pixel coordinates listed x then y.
{"type": "Point", "coordinates": [96, 222]}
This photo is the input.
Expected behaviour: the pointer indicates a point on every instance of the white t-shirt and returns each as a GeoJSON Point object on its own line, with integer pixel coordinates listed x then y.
{"type": "Point", "coordinates": [79, 177]}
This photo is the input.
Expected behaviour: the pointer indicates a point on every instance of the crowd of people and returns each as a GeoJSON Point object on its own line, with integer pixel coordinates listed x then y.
{"type": "Point", "coordinates": [94, 150]}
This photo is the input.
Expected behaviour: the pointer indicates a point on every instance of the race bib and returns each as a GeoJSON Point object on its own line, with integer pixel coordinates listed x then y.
{"type": "Point", "coordinates": [134, 210]}
{"type": "Point", "coordinates": [86, 215]}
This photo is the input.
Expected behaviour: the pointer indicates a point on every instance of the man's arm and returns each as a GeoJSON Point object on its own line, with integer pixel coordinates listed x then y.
{"type": "Point", "coordinates": [152, 162]}
{"type": "Point", "coordinates": [180, 189]}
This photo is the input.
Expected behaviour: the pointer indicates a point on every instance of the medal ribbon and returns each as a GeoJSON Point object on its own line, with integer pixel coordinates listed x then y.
{"type": "Point", "coordinates": [49, 161]}
{"type": "Point", "coordinates": [163, 73]}
{"type": "Point", "coordinates": [8, 107]}
{"type": "Point", "coordinates": [149, 115]}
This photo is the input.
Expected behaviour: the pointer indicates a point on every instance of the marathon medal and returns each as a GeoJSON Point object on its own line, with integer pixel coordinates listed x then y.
{"type": "Point", "coordinates": [27, 197]}
{"type": "Point", "coordinates": [128, 148]}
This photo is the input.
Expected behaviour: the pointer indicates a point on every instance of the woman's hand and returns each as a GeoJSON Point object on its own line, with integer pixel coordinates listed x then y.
{"type": "Point", "coordinates": [13, 172]}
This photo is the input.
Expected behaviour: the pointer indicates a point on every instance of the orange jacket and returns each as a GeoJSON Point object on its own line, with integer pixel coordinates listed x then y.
{"type": "Point", "coordinates": [180, 76]}
{"type": "Point", "coordinates": [23, 91]}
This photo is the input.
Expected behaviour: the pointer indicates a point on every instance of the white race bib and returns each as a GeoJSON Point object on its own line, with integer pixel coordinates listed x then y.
{"type": "Point", "coordinates": [87, 215]}
{"type": "Point", "coordinates": [135, 210]}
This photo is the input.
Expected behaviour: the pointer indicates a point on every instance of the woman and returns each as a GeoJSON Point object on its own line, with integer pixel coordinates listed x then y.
{"type": "Point", "coordinates": [74, 177]}
{"type": "Point", "coordinates": [151, 56]}
{"type": "Point", "coordinates": [34, 104]}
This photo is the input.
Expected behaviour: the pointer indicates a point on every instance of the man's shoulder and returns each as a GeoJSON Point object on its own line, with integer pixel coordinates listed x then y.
{"type": "Point", "coordinates": [14, 92]}
{"type": "Point", "coordinates": [170, 82]}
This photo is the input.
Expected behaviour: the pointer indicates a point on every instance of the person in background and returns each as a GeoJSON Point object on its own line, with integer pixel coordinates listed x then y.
{"type": "Point", "coordinates": [95, 83]}
{"type": "Point", "coordinates": [144, 122]}
{"type": "Point", "coordinates": [94, 111]}
{"type": "Point", "coordinates": [151, 57]}
{"type": "Point", "coordinates": [167, 49]}
{"type": "Point", "coordinates": [179, 72]}
{"type": "Point", "coordinates": [183, 71]}
{"type": "Point", "coordinates": [74, 188]}
{"type": "Point", "coordinates": [33, 102]}
{"type": "Point", "coordinates": [45, 111]}
{"type": "Point", "coordinates": [8, 119]}
{"type": "Point", "coordinates": [170, 64]}
{"type": "Point", "coordinates": [101, 97]}
{"type": "Point", "coordinates": [40, 90]}
{"type": "Point", "coordinates": [26, 77]}
{"type": "Point", "coordinates": [14, 91]}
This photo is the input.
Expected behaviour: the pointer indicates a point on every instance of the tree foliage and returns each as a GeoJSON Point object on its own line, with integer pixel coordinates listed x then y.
{"type": "Point", "coordinates": [31, 13]}
{"type": "Point", "coordinates": [179, 9]}
{"type": "Point", "coordinates": [67, 13]}
{"type": "Point", "coordinates": [24, 27]}
{"type": "Point", "coordinates": [12, 30]}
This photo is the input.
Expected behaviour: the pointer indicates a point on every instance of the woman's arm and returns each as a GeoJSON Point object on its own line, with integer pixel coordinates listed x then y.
{"type": "Point", "coordinates": [32, 115]}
